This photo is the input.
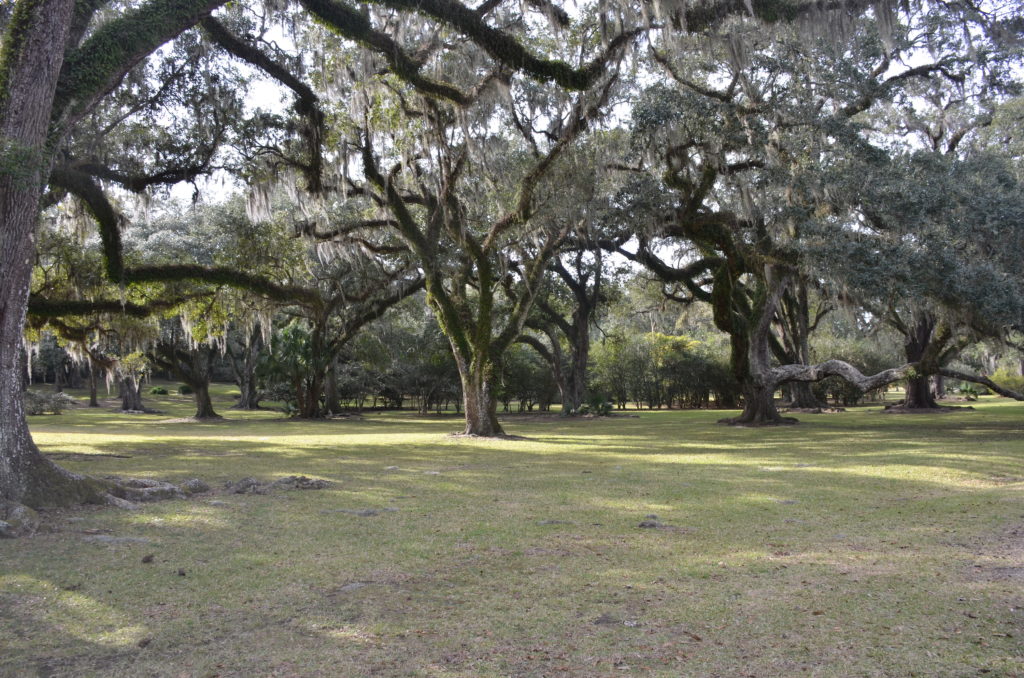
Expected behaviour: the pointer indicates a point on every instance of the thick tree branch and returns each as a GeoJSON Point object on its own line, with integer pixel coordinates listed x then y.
{"type": "Point", "coordinates": [97, 67]}
{"type": "Point", "coordinates": [785, 373]}
{"type": "Point", "coordinates": [984, 381]}
{"type": "Point", "coordinates": [351, 24]}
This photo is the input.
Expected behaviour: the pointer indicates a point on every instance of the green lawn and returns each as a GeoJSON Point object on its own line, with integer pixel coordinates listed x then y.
{"type": "Point", "coordinates": [854, 544]}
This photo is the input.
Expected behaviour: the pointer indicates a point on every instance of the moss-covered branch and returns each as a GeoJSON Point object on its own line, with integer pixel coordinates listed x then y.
{"type": "Point", "coordinates": [137, 183]}
{"type": "Point", "coordinates": [222, 275]}
{"type": "Point", "coordinates": [97, 66]}
{"type": "Point", "coordinates": [89, 191]}
{"type": "Point", "coordinates": [353, 25]}
{"type": "Point", "coordinates": [507, 50]}
{"type": "Point", "coordinates": [42, 308]}
{"type": "Point", "coordinates": [109, 221]}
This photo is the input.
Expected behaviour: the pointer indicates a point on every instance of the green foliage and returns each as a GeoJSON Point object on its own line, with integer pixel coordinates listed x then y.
{"type": "Point", "coordinates": [968, 390]}
{"type": "Point", "coordinates": [158, 390]}
{"type": "Point", "coordinates": [1009, 380]}
{"type": "Point", "coordinates": [40, 403]}
{"type": "Point", "coordinates": [185, 389]}
{"type": "Point", "coordinates": [526, 379]}
{"type": "Point", "coordinates": [659, 370]}
{"type": "Point", "coordinates": [597, 405]}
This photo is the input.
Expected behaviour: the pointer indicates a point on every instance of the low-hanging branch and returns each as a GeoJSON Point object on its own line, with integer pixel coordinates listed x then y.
{"type": "Point", "coordinates": [109, 221]}
{"type": "Point", "coordinates": [42, 308]}
{"type": "Point", "coordinates": [983, 380]}
{"type": "Point", "coordinates": [810, 373]}
{"type": "Point", "coordinates": [838, 368]}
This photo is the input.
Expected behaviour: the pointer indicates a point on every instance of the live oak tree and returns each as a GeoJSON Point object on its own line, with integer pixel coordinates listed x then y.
{"type": "Point", "coordinates": [930, 202]}
{"type": "Point", "coordinates": [766, 167]}
{"type": "Point", "coordinates": [564, 314]}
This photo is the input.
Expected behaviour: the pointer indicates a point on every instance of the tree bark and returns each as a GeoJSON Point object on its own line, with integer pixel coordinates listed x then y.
{"type": "Point", "coordinates": [33, 54]}
{"type": "Point", "coordinates": [759, 408]}
{"type": "Point", "coordinates": [916, 344]}
{"type": "Point", "coordinates": [480, 405]}
{"type": "Point", "coordinates": [201, 367]}
{"type": "Point", "coordinates": [249, 398]}
{"type": "Point", "coordinates": [93, 386]}
{"type": "Point", "coordinates": [204, 406]}
{"type": "Point", "coordinates": [332, 404]}
{"type": "Point", "coordinates": [802, 397]}
{"type": "Point", "coordinates": [131, 395]}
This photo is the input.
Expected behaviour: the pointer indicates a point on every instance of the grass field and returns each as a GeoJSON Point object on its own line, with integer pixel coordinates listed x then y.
{"type": "Point", "coordinates": [854, 544]}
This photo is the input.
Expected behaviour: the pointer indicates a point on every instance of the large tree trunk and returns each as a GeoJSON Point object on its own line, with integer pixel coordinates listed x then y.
{"type": "Point", "coordinates": [802, 396]}
{"type": "Point", "coordinates": [131, 394]}
{"type": "Point", "coordinates": [33, 53]}
{"type": "Point", "coordinates": [204, 406]}
{"type": "Point", "coordinates": [93, 386]}
{"type": "Point", "coordinates": [481, 406]}
{"type": "Point", "coordinates": [916, 344]}
{"type": "Point", "coordinates": [308, 397]}
{"type": "Point", "coordinates": [332, 403]}
{"type": "Point", "coordinates": [759, 408]}
{"type": "Point", "coordinates": [250, 394]}
{"type": "Point", "coordinates": [751, 360]}
{"type": "Point", "coordinates": [202, 366]}
{"type": "Point", "coordinates": [576, 379]}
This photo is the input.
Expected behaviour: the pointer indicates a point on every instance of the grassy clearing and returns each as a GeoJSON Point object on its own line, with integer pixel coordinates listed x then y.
{"type": "Point", "coordinates": [856, 544]}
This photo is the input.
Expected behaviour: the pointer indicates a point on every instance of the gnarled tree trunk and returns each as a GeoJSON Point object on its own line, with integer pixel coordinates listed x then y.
{"type": "Point", "coordinates": [916, 344]}
{"type": "Point", "coordinates": [481, 406]}
{"type": "Point", "coordinates": [759, 407]}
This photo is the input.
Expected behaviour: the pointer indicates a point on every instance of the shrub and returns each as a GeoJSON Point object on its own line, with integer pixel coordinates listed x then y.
{"type": "Point", "coordinates": [185, 389]}
{"type": "Point", "coordinates": [1004, 378]}
{"type": "Point", "coordinates": [600, 406]}
{"type": "Point", "coordinates": [158, 390]}
{"type": "Point", "coordinates": [41, 403]}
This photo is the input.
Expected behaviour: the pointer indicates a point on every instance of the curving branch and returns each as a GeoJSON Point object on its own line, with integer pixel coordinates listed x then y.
{"type": "Point", "coordinates": [136, 183]}
{"type": "Point", "coordinates": [505, 49]}
{"type": "Point", "coordinates": [223, 275]}
{"type": "Point", "coordinates": [307, 104]}
{"type": "Point", "coordinates": [983, 380]}
{"type": "Point", "coordinates": [353, 25]}
{"type": "Point", "coordinates": [838, 368]}
{"type": "Point", "coordinates": [98, 66]}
